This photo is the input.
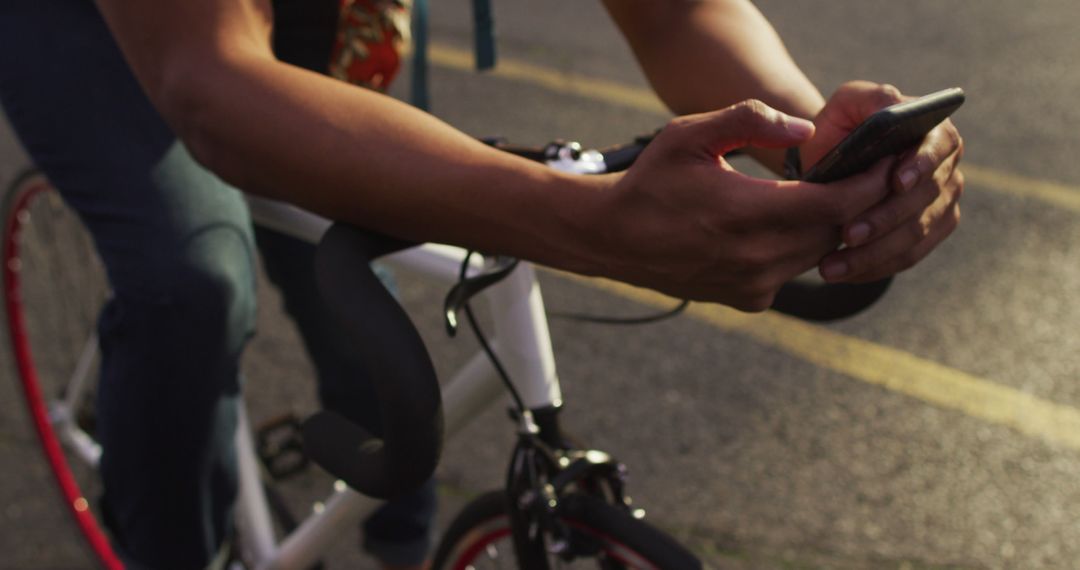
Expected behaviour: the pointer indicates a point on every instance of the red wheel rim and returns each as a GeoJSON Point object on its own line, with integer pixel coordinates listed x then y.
{"type": "Point", "coordinates": [76, 504]}
{"type": "Point", "coordinates": [500, 529]}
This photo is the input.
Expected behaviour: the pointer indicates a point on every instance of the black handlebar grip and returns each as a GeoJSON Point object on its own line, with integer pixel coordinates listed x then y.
{"type": "Point", "coordinates": [398, 365]}
{"type": "Point", "coordinates": [621, 158]}
{"type": "Point", "coordinates": [828, 302]}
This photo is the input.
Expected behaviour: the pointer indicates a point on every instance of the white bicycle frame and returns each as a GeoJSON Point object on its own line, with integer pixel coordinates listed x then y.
{"type": "Point", "coordinates": [521, 340]}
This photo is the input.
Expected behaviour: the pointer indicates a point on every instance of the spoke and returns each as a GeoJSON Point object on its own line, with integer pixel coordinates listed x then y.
{"type": "Point", "coordinates": [84, 368]}
{"type": "Point", "coordinates": [493, 555]}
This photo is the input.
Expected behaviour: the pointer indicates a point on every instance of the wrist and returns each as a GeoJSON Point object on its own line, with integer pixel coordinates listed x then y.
{"type": "Point", "coordinates": [571, 233]}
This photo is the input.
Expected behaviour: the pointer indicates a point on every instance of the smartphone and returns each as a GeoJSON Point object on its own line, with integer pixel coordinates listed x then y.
{"type": "Point", "coordinates": [891, 130]}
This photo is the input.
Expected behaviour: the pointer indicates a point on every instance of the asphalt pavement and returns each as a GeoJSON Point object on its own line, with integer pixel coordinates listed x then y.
{"type": "Point", "coordinates": [935, 430]}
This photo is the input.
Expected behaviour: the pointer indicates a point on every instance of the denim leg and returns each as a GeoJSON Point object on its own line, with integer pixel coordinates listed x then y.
{"type": "Point", "coordinates": [399, 532]}
{"type": "Point", "coordinates": [178, 250]}
{"type": "Point", "coordinates": [171, 344]}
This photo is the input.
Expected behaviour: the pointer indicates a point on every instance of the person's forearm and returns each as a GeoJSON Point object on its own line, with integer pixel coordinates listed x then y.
{"type": "Point", "coordinates": [702, 55]}
{"type": "Point", "coordinates": [359, 156]}
{"type": "Point", "coordinates": [350, 154]}
{"type": "Point", "coordinates": [679, 221]}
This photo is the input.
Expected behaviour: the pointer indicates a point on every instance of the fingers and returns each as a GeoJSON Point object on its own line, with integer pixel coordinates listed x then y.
{"type": "Point", "coordinates": [917, 190]}
{"type": "Point", "coordinates": [837, 203]}
{"type": "Point", "coordinates": [942, 142]}
{"type": "Point", "coordinates": [749, 123]}
{"type": "Point", "coordinates": [899, 208]}
{"type": "Point", "coordinates": [856, 100]}
{"type": "Point", "coordinates": [902, 247]}
{"type": "Point", "coordinates": [845, 110]}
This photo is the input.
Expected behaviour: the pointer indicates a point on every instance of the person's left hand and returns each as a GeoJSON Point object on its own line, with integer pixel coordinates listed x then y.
{"type": "Point", "coordinates": [921, 210]}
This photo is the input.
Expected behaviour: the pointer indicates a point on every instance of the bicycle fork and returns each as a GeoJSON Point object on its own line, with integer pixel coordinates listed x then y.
{"type": "Point", "coordinates": [544, 468]}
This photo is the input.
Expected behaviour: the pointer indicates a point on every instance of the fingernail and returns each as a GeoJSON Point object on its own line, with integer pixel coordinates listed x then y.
{"type": "Point", "coordinates": [858, 233]}
{"type": "Point", "coordinates": [907, 178]}
{"type": "Point", "coordinates": [799, 126]}
{"type": "Point", "coordinates": [834, 269]}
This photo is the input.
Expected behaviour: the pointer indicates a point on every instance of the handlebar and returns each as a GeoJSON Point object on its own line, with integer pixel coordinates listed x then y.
{"type": "Point", "coordinates": [407, 451]}
{"type": "Point", "coordinates": [397, 362]}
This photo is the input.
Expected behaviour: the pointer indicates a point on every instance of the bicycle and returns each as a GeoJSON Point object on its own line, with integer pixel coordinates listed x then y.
{"type": "Point", "coordinates": [563, 503]}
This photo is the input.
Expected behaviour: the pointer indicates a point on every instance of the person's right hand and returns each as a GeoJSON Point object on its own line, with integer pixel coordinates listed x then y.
{"type": "Point", "coordinates": [684, 222]}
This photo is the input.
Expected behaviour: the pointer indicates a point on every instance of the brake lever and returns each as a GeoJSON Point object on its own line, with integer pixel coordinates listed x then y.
{"type": "Point", "coordinates": [468, 287]}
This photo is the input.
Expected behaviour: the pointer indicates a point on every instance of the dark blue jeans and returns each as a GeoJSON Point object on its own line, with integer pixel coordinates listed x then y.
{"type": "Point", "coordinates": [180, 254]}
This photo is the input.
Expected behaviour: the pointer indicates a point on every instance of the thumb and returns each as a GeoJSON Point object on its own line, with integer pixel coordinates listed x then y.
{"type": "Point", "coordinates": [749, 123]}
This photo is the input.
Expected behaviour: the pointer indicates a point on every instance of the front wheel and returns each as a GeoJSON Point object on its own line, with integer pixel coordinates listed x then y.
{"type": "Point", "coordinates": [603, 536]}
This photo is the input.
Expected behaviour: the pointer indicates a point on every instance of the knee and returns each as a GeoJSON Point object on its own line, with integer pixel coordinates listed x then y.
{"type": "Point", "coordinates": [200, 293]}
{"type": "Point", "coordinates": [212, 283]}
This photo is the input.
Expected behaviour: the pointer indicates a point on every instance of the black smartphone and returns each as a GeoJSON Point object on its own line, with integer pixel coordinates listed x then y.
{"type": "Point", "coordinates": [891, 130]}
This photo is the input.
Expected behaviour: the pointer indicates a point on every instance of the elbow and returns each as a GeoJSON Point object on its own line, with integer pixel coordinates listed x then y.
{"type": "Point", "coordinates": [186, 105]}
{"type": "Point", "coordinates": [193, 97]}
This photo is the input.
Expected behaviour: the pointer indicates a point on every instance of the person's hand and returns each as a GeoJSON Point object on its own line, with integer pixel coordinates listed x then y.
{"type": "Point", "coordinates": [684, 222]}
{"type": "Point", "coordinates": [923, 207]}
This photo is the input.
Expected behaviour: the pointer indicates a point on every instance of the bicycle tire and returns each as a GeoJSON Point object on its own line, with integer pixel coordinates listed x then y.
{"type": "Point", "coordinates": [53, 289]}
{"type": "Point", "coordinates": [479, 538]}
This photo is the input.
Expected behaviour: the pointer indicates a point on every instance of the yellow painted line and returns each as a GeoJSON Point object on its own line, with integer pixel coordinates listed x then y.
{"type": "Point", "coordinates": [1057, 194]}
{"type": "Point", "coordinates": [889, 368]}
{"type": "Point", "coordinates": [568, 83]}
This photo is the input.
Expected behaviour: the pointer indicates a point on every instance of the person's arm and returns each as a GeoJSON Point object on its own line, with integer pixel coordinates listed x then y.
{"type": "Point", "coordinates": [680, 221]}
{"type": "Point", "coordinates": [347, 153]}
{"type": "Point", "coordinates": [705, 54]}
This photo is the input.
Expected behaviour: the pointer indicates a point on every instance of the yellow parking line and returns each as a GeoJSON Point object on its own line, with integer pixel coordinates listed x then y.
{"type": "Point", "coordinates": [889, 368]}
{"type": "Point", "coordinates": [1057, 194]}
{"type": "Point", "coordinates": [981, 177]}
{"type": "Point", "coordinates": [569, 83]}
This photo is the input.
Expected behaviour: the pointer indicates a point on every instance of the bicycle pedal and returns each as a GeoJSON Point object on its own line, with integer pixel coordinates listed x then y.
{"type": "Point", "coordinates": [280, 447]}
